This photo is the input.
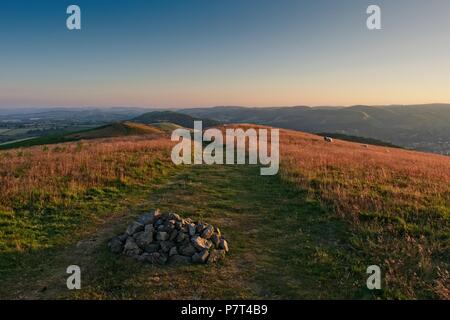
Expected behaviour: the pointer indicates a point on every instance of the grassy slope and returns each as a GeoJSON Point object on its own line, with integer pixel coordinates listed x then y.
{"type": "Point", "coordinates": [396, 203]}
{"type": "Point", "coordinates": [358, 139]}
{"type": "Point", "coordinates": [283, 246]}
{"type": "Point", "coordinates": [298, 235]}
{"type": "Point", "coordinates": [118, 129]}
{"type": "Point", "coordinates": [180, 119]}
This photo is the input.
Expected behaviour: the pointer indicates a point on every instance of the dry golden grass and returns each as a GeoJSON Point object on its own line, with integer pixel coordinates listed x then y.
{"type": "Point", "coordinates": [355, 178]}
{"type": "Point", "coordinates": [396, 201]}
{"type": "Point", "coordinates": [46, 173]}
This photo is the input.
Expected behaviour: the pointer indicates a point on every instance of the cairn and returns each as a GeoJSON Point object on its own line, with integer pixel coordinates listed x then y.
{"type": "Point", "coordinates": [167, 238]}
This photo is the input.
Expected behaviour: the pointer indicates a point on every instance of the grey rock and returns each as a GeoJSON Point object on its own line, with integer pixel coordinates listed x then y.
{"type": "Point", "coordinates": [180, 237]}
{"type": "Point", "coordinates": [151, 248]}
{"type": "Point", "coordinates": [215, 239]}
{"type": "Point", "coordinates": [173, 235]}
{"type": "Point", "coordinates": [199, 228]}
{"type": "Point", "coordinates": [173, 251]}
{"type": "Point", "coordinates": [134, 228]}
{"type": "Point", "coordinates": [200, 244]}
{"type": "Point", "coordinates": [149, 228]}
{"type": "Point", "coordinates": [115, 245]}
{"type": "Point", "coordinates": [165, 216]}
{"type": "Point", "coordinates": [147, 218]}
{"type": "Point", "coordinates": [156, 258]}
{"type": "Point", "coordinates": [191, 229]}
{"type": "Point", "coordinates": [162, 259]}
{"type": "Point", "coordinates": [141, 258]}
{"type": "Point", "coordinates": [223, 244]}
{"type": "Point", "coordinates": [162, 236]}
{"type": "Point", "coordinates": [187, 250]}
{"type": "Point", "coordinates": [153, 257]}
{"type": "Point", "coordinates": [200, 257]}
{"type": "Point", "coordinates": [166, 246]}
{"type": "Point", "coordinates": [143, 239]}
{"type": "Point", "coordinates": [131, 248]}
{"type": "Point", "coordinates": [174, 216]}
{"type": "Point", "coordinates": [208, 232]}
{"type": "Point", "coordinates": [123, 237]}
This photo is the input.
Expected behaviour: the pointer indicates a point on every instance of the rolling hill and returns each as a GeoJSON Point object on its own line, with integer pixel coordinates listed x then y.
{"type": "Point", "coordinates": [118, 129]}
{"type": "Point", "coordinates": [173, 117]}
{"type": "Point", "coordinates": [420, 127]}
{"type": "Point", "coordinates": [308, 233]}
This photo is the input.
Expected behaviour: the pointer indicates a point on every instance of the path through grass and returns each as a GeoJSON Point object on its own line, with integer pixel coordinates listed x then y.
{"type": "Point", "coordinates": [283, 246]}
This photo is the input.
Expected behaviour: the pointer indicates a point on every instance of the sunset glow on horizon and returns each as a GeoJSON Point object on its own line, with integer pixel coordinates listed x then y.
{"type": "Point", "coordinates": [205, 53]}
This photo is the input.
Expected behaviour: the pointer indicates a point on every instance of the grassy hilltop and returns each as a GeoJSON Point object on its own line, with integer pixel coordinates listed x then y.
{"type": "Point", "coordinates": [309, 232]}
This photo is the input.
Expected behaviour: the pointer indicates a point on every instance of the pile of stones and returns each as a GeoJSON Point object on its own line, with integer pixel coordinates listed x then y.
{"type": "Point", "coordinates": [167, 238]}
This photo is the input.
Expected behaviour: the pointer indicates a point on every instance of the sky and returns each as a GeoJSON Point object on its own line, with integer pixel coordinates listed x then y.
{"type": "Point", "coordinates": [200, 53]}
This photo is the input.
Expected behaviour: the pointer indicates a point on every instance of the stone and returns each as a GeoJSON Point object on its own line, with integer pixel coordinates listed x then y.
{"type": "Point", "coordinates": [134, 228]}
{"type": "Point", "coordinates": [151, 247]}
{"type": "Point", "coordinates": [200, 244]}
{"type": "Point", "coordinates": [216, 255]}
{"type": "Point", "coordinates": [162, 259]}
{"type": "Point", "coordinates": [165, 216]}
{"type": "Point", "coordinates": [166, 246]}
{"type": "Point", "coordinates": [178, 259]}
{"type": "Point", "coordinates": [173, 251]}
{"type": "Point", "coordinates": [167, 238]}
{"type": "Point", "coordinates": [115, 245]}
{"type": "Point", "coordinates": [200, 257]}
{"type": "Point", "coordinates": [131, 248]}
{"type": "Point", "coordinates": [185, 228]}
{"type": "Point", "coordinates": [156, 258]}
{"type": "Point", "coordinates": [223, 244]}
{"type": "Point", "coordinates": [215, 239]}
{"type": "Point", "coordinates": [173, 235]}
{"type": "Point", "coordinates": [143, 239]}
{"type": "Point", "coordinates": [191, 228]}
{"type": "Point", "coordinates": [187, 250]}
{"type": "Point", "coordinates": [174, 216]}
{"type": "Point", "coordinates": [142, 257]}
{"type": "Point", "coordinates": [123, 237]}
{"type": "Point", "coordinates": [162, 236]}
{"type": "Point", "coordinates": [153, 257]}
{"type": "Point", "coordinates": [199, 228]}
{"type": "Point", "coordinates": [180, 237]}
{"type": "Point", "coordinates": [147, 218]}
{"type": "Point", "coordinates": [208, 232]}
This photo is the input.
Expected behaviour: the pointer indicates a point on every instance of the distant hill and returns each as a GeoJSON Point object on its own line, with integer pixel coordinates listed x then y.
{"type": "Point", "coordinates": [422, 127]}
{"type": "Point", "coordinates": [117, 129]}
{"type": "Point", "coordinates": [181, 119]}
{"type": "Point", "coordinates": [167, 127]}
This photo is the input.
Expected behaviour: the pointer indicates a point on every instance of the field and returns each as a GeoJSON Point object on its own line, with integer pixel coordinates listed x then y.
{"type": "Point", "coordinates": [307, 233]}
{"type": "Point", "coordinates": [396, 202]}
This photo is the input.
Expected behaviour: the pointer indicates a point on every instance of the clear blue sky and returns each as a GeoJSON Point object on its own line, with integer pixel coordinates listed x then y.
{"type": "Point", "coordinates": [183, 53]}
